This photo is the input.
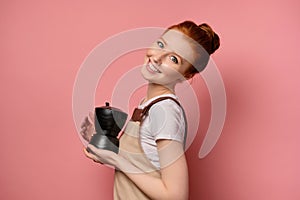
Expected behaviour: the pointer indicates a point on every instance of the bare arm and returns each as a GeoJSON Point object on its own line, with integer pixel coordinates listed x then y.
{"type": "Point", "coordinates": [173, 183]}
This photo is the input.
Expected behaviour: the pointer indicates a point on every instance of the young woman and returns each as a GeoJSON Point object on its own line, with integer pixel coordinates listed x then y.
{"type": "Point", "coordinates": [151, 163]}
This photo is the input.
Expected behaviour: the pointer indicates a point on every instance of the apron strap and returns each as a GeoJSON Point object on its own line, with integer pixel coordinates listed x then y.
{"type": "Point", "coordinates": [138, 114]}
{"type": "Point", "coordinates": [147, 108]}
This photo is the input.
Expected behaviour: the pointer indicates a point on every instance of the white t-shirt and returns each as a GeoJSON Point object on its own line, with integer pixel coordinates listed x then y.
{"type": "Point", "coordinates": [165, 120]}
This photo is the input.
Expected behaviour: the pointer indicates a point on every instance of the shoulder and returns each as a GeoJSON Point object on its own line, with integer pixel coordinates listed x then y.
{"type": "Point", "coordinates": [167, 121]}
{"type": "Point", "coordinates": [167, 104]}
{"type": "Point", "coordinates": [167, 107]}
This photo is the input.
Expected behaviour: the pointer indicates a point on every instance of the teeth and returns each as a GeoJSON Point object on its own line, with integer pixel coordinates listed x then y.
{"type": "Point", "coordinates": [151, 66]}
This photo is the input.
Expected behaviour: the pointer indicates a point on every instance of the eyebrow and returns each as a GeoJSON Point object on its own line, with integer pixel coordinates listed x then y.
{"type": "Point", "coordinates": [164, 40]}
{"type": "Point", "coordinates": [180, 58]}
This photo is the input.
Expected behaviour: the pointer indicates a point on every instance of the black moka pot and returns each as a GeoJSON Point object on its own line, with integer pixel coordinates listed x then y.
{"type": "Point", "coordinates": [108, 123]}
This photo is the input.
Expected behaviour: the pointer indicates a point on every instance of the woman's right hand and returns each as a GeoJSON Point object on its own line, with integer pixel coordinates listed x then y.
{"type": "Point", "coordinates": [88, 127]}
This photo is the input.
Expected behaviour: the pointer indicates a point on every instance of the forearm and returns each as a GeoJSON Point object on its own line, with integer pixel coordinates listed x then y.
{"type": "Point", "coordinates": [155, 187]}
{"type": "Point", "coordinates": [172, 184]}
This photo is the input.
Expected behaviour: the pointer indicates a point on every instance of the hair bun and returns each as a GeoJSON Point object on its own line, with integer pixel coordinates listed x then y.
{"type": "Point", "coordinates": [215, 40]}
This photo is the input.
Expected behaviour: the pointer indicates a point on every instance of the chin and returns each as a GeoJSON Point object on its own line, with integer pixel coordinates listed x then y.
{"type": "Point", "coordinates": [144, 73]}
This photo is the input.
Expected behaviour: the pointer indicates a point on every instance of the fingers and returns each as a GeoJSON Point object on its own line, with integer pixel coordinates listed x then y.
{"type": "Point", "coordinates": [85, 137]}
{"type": "Point", "coordinates": [87, 121]}
{"type": "Point", "coordinates": [91, 117]}
{"type": "Point", "coordinates": [83, 129]}
{"type": "Point", "coordinates": [88, 154]}
{"type": "Point", "coordinates": [91, 156]}
{"type": "Point", "coordinates": [87, 127]}
{"type": "Point", "coordinates": [83, 124]}
{"type": "Point", "coordinates": [92, 148]}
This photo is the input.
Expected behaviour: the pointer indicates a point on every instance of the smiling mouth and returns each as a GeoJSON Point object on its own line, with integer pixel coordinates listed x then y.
{"type": "Point", "coordinates": [152, 68]}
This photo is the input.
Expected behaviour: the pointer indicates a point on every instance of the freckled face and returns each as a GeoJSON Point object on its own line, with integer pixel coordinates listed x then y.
{"type": "Point", "coordinates": [166, 61]}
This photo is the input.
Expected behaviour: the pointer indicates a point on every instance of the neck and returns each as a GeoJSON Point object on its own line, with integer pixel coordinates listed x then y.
{"type": "Point", "coordinates": [156, 90]}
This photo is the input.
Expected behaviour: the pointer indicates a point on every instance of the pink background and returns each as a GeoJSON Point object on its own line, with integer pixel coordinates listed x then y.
{"type": "Point", "coordinates": [43, 44]}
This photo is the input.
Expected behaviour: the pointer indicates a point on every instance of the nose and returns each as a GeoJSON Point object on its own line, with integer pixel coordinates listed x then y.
{"type": "Point", "coordinates": [156, 59]}
{"type": "Point", "coordinates": [157, 56]}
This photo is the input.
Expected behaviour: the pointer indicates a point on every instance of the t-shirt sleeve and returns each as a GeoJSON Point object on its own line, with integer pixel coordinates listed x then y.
{"type": "Point", "coordinates": [167, 121]}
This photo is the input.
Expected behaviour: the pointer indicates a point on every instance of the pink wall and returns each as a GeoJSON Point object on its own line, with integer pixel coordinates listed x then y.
{"type": "Point", "coordinates": [43, 44]}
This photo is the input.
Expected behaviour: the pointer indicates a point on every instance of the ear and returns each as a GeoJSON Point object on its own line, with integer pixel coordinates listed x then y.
{"type": "Point", "coordinates": [188, 76]}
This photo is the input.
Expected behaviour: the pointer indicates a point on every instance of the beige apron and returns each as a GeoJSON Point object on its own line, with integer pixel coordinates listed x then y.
{"type": "Point", "coordinates": [130, 148]}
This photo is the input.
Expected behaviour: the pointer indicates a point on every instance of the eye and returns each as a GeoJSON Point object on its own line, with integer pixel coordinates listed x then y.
{"type": "Point", "coordinates": [174, 59]}
{"type": "Point", "coordinates": [160, 44]}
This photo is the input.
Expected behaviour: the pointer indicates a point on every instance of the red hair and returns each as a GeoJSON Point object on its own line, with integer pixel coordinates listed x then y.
{"type": "Point", "coordinates": [204, 36]}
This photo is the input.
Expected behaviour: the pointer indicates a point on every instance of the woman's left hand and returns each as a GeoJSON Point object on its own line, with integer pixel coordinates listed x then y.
{"type": "Point", "coordinates": [101, 156]}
